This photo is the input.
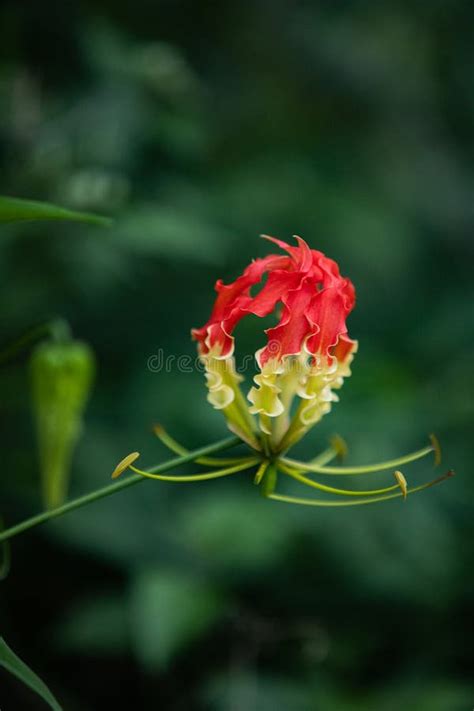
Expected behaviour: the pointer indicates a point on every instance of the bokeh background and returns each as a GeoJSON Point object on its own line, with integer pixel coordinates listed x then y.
{"type": "Point", "coordinates": [197, 126]}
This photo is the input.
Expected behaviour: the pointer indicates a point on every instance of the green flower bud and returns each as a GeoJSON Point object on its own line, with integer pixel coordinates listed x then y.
{"type": "Point", "coordinates": [61, 378]}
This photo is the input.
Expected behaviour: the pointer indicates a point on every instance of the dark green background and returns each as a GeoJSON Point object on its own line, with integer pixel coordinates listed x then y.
{"type": "Point", "coordinates": [197, 126]}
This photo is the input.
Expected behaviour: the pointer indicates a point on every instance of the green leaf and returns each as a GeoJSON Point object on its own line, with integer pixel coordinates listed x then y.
{"type": "Point", "coordinates": [19, 210]}
{"type": "Point", "coordinates": [15, 666]}
{"type": "Point", "coordinates": [169, 611]}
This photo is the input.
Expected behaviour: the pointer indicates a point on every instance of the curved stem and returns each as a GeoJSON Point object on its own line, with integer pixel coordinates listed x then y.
{"type": "Point", "coordinates": [245, 464]}
{"type": "Point", "coordinates": [370, 468]}
{"type": "Point", "coordinates": [326, 456]}
{"type": "Point", "coordinates": [113, 488]}
{"type": "Point", "coordinates": [178, 448]}
{"type": "Point", "coordinates": [337, 448]}
{"type": "Point", "coordinates": [358, 502]}
{"type": "Point", "coordinates": [332, 490]}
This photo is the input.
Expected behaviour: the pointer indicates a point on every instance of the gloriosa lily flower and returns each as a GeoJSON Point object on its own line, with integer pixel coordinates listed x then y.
{"type": "Point", "coordinates": [307, 354]}
{"type": "Point", "coordinates": [305, 359]}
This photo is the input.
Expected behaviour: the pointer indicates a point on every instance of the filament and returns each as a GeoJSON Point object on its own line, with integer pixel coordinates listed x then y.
{"type": "Point", "coordinates": [372, 500]}
{"type": "Point", "coordinates": [178, 448]}
{"type": "Point", "coordinates": [337, 448]}
{"type": "Point", "coordinates": [330, 489]}
{"type": "Point", "coordinates": [366, 469]}
{"type": "Point", "coordinates": [245, 464]}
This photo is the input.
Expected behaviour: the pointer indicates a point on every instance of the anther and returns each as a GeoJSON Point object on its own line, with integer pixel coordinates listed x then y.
{"type": "Point", "coordinates": [339, 445]}
{"type": "Point", "coordinates": [436, 449]}
{"type": "Point", "coordinates": [124, 464]}
{"type": "Point", "coordinates": [402, 483]}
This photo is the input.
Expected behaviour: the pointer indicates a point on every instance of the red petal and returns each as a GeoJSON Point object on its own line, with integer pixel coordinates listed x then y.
{"type": "Point", "coordinates": [278, 283]}
{"type": "Point", "coordinates": [345, 345]}
{"type": "Point", "coordinates": [328, 311]}
{"type": "Point", "coordinates": [316, 301]}
{"type": "Point", "coordinates": [288, 337]}
{"type": "Point", "coordinates": [302, 254]}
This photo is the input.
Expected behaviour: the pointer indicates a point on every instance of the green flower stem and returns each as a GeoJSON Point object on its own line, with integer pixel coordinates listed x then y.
{"type": "Point", "coordinates": [118, 486]}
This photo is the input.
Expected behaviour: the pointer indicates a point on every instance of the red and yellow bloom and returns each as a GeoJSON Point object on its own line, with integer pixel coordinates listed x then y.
{"type": "Point", "coordinates": [305, 359]}
{"type": "Point", "coordinates": [306, 356]}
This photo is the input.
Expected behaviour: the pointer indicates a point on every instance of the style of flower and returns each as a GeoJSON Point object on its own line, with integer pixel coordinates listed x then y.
{"type": "Point", "coordinates": [305, 359]}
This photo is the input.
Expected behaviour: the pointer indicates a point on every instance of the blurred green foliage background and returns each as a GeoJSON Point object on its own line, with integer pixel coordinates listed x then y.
{"type": "Point", "coordinates": [197, 126]}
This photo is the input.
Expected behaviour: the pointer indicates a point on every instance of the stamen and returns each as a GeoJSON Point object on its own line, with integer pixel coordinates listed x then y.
{"type": "Point", "coordinates": [367, 469]}
{"type": "Point", "coordinates": [402, 483]}
{"type": "Point", "coordinates": [360, 502]}
{"type": "Point", "coordinates": [177, 448]}
{"type": "Point", "coordinates": [247, 464]}
{"type": "Point", "coordinates": [330, 489]}
{"type": "Point", "coordinates": [124, 464]}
